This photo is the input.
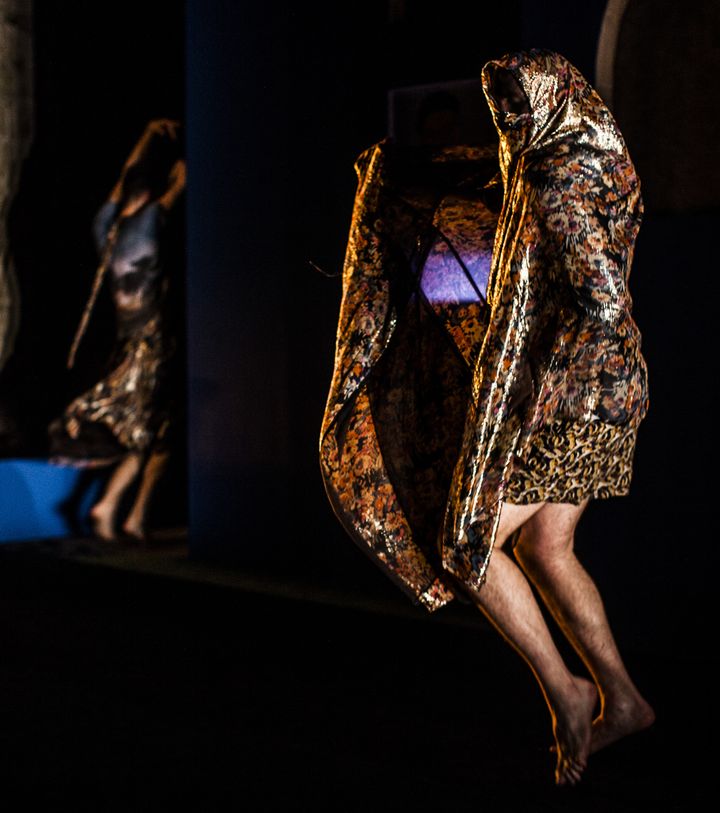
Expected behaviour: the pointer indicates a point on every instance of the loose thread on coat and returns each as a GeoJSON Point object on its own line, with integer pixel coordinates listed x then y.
{"type": "Point", "coordinates": [328, 274]}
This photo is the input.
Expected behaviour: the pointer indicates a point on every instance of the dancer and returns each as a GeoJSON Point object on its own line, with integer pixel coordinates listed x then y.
{"type": "Point", "coordinates": [558, 390]}
{"type": "Point", "coordinates": [126, 418]}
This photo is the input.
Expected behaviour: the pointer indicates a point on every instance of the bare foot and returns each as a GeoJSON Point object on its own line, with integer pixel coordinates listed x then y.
{"type": "Point", "coordinates": [620, 718]}
{"type": "Point", "coordinates": [572, 727]}
{"type": "Point", "coordinates": [135, 529]}
{"type": "Point", "coordinates": [103, 522]}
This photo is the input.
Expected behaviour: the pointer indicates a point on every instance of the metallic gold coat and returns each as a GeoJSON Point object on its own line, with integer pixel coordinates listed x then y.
{"type": "Point", "coordinates": [555, 340]}
{"type": "Point", "coordinates": [561, 343]}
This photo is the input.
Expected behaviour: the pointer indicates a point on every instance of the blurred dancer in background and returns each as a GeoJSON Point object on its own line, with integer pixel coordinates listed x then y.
{"type": "Point", "coordinates": [126, 418]}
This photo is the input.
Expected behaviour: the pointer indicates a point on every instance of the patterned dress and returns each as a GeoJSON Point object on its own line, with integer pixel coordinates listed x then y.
{"type": "Point", "coordinates": [128, 410]}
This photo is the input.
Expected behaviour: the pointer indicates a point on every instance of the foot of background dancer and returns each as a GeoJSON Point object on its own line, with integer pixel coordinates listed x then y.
{"type": "Point", "coordinates": [102, 520]}
{"type": "Point", "coordinates": [103, 513]}
{"type": "Point", "coordinates": [134, 528]}
{"type": "Point", "coordinates": [135, 525]}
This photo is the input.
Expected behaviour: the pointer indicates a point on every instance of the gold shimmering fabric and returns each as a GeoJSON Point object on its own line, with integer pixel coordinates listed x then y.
{"type": "Point", "coordinates": [412, 320]}
{"type": "Point", "coordinates": [571, 461]}
{"type": "Point", "coordinates": [561, 344]}
{"type": "Point", "coordinates": [127, 400]}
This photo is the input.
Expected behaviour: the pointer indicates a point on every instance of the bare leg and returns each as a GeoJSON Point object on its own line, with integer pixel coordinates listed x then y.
{"type": "Point", "coordinates": [545, 552]}
{"type": "Point", "coordinates": [134, 525]}
{"type": "Point", "coordinates": [105, 510]}
{"type": "Point", "coordinates": [508, 601]}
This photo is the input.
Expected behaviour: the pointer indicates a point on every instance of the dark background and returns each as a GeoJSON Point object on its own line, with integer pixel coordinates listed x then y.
{"type": "Point", "coordinates": [279, 100]}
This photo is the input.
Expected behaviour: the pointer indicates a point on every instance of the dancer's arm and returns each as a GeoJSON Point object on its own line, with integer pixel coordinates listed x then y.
{"type": "Point", "coordinates": [157, 127]}
{"type": "Point", "coordinates": [175, 187]}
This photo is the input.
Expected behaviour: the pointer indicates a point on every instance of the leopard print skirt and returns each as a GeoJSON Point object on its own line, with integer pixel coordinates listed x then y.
{"type": "Point", "coordinates": [568, 461]}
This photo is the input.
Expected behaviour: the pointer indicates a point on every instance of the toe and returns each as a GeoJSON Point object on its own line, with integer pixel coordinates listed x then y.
{"type": "Point", "coordinates": [570, 772]}
{"type": "Point", "coordinates": [578, 772]}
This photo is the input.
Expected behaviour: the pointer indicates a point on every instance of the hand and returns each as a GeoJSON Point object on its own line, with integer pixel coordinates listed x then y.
{"type": "Point", "coordinates": [156, 127]}
{"type": "Point", "coordinates": [167, 127]}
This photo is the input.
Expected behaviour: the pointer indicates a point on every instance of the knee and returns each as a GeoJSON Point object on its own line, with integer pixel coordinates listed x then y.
{"type": "Point", "coordinates": [540, 548]}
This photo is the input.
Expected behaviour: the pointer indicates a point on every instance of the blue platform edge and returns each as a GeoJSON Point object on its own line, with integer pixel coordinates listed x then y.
{"type": "Point", "coordinates": [39, 500]}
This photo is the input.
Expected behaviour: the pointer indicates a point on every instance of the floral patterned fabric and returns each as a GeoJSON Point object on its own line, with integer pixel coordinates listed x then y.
{"type": "Point", "coordinates": [411, 324]}
{"type": "Point", "coordinates": [561, 343]}
{"type": "Point", "coordinates": [570, 461]}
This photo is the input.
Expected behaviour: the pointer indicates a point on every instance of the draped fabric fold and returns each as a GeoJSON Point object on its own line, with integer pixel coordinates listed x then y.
{"type": "Point", "coordinates": [412, 318]}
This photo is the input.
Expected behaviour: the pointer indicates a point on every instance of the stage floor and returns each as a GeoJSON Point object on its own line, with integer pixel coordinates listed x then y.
{"type": "Point", "coordinates": [133, 679]}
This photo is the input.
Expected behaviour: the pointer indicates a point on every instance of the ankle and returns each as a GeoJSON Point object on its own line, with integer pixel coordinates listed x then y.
{"type": "Point", "coordinates": [135, 520]}
{"type": "Point", "coordinates": [101, 509]}
{"type": "Point", "coordinates": [621, 696]}
{"type": "Point", "coordinates": [562, 693]}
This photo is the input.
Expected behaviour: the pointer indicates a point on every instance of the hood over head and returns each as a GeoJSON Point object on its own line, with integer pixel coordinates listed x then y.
{"type": "Point", "coordinates": [562, 105]}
